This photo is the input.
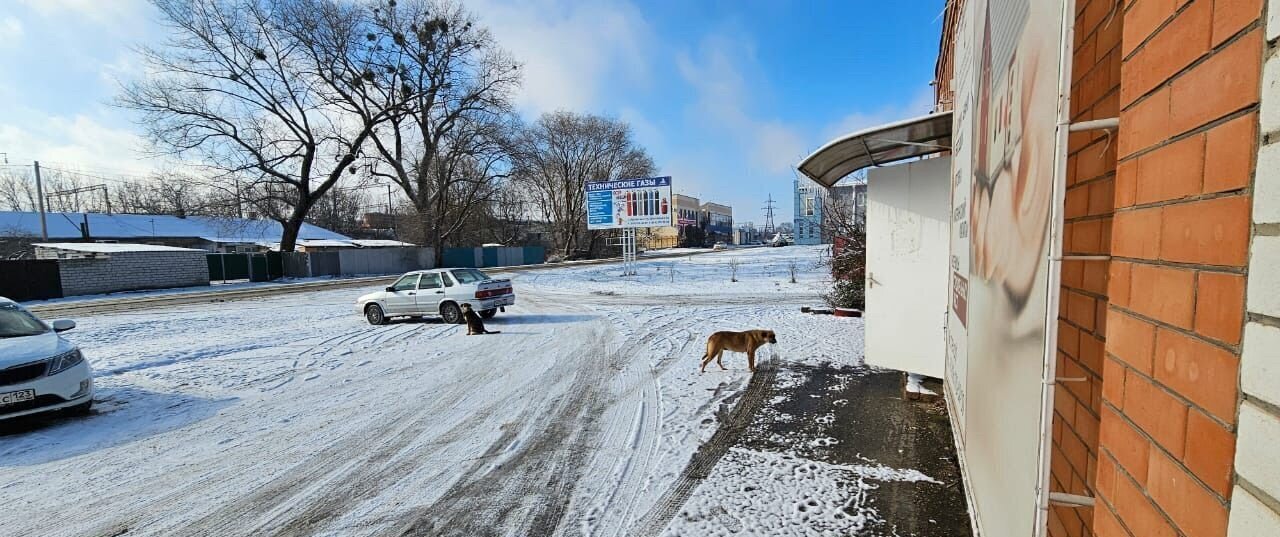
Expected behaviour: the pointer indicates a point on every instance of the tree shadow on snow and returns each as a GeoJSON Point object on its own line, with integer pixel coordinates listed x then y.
{"type": "Point", "coordinates": [119, 416]}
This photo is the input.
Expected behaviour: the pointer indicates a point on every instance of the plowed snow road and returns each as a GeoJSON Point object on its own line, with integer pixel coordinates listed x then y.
{"type": "Point", "coordinates": [291, 416]}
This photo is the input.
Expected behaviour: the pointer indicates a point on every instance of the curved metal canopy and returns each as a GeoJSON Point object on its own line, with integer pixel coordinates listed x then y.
{"type": "Point", "coordinates": [878, 146]}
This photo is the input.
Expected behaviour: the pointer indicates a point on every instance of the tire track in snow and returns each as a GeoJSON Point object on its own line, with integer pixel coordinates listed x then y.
{"type": "Point", "coordinates": [732, 425]}
{"type": "Point", "coordinates": [374, 441]}
{"type": "Point", "coordinates": [525, 488]}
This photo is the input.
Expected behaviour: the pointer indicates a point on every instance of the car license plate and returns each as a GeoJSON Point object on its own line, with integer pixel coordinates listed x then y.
{"type": "Point", "coordinates": [13, 398]}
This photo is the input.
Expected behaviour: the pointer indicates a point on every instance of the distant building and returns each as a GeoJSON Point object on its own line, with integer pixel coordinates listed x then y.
{"type": "Point", "coordinates": [813, 204]}
{"type": "Point", "coordinates": [377, 221]}
{"type": "Point", "coordinates": [719, 222]}
{"type": "Point", "coordinates": [714, 220]}
{"type": "Point", "coordinates": [809, 201]}
{"type": "Point", "coordinates": [746, 233]}
{"type": "Point", "coordinates": [687, 210]}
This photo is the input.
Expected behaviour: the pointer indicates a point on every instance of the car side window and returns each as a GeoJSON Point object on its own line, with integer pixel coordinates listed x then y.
{"type": "Point", "coordinates": [430, 281]}
{"type": "Point", "coordinates": [406, 283]}
{"type": "Point", "coordinates": [448, 282]}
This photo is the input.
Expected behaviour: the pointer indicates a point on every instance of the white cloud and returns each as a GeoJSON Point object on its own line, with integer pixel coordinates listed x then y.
{"type": "Point", "coordinates": [717, 75]}
{"type": "Point", "coordinates": [569, 51]}
{"type": "Point", "coordinates": [102, 11]}
{"type": "Point", "coordinates": [920, 104]}
{"type": "Point", "coordinates": [76, 141]}
{"type": "Point", "coordinates": [11, 31]}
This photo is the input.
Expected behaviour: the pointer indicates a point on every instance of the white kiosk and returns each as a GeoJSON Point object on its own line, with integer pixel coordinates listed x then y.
{"type": "Point", "coordinates": [908, 235]}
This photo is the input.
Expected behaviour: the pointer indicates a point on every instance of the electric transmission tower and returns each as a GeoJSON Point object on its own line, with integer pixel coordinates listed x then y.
{"type": "Point", "coordinates": [768, 215]}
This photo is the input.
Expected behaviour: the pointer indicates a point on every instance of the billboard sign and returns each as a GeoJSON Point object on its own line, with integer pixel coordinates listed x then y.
{"type": "Point", "coordinates": [630, 203]}
{"type": "Point", "coordinates": [1007, 108]}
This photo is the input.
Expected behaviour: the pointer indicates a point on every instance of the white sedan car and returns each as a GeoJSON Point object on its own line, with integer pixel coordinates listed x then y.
{"type": "Point", "coordinates": [437, 292]}
{"type": "Point", "coordinates": [39, 370]}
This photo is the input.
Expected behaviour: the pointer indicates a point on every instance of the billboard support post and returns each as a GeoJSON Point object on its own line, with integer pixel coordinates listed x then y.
{"type": "Point", "coordinates": [629, 251]}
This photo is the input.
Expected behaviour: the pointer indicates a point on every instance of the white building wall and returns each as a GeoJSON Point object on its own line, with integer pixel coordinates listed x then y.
{"type": "Point", "coordinates": [1255, 501]}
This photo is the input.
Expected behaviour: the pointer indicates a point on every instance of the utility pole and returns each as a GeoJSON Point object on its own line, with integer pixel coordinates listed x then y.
{"type": "Point", "coordinates": [44, 227]}
{"type": "Point", "coordinates": [239, 204]}
{"type": "Point", "coordinates": [768, 215]}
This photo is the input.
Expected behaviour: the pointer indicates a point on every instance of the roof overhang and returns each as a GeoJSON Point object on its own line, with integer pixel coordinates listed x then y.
{"type": "Point", "coordinates": [878, 146]}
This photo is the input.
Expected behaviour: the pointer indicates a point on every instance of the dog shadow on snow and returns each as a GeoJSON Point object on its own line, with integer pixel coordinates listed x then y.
{"type": "Point", "coordinates": [120, 415]}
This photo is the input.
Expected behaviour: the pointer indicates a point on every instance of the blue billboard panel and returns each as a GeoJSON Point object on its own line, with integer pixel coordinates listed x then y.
{"type": "Point", "coordinates": [630, 203]}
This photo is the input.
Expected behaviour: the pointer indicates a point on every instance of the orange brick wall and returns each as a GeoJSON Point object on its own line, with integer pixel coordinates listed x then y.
{"type": "Point", "coordinates": [1082, 319]}
{"type": "Point", "coordinates": [1188, 99]}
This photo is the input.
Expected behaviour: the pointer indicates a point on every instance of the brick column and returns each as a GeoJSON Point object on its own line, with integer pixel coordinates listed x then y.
{"type": "Point", "coordinates": [1188, 134]}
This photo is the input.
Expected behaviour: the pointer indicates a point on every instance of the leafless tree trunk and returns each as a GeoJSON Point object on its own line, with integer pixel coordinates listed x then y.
{"type": "Point", "coordinates": [261, 91]}
{"type": "Point", "coordinates": [559, 154]}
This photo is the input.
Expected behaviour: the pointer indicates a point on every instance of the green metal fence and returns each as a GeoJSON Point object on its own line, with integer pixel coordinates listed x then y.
{"type": "Point", "coordinates": [259, 267]}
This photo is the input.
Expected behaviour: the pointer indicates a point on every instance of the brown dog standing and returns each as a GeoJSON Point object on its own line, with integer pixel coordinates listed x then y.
{"type": "Point", "coordinates": [746, 342]}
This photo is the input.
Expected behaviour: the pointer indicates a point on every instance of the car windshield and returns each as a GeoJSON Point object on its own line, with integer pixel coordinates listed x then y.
{"type": "Point", "coordinates": [18, 323]}
{"type": "Point", "coordinates": [469, 276]}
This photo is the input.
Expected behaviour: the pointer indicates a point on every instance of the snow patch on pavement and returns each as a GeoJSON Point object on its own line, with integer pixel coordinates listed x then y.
{"type": "Point", "coordinates": [771, 494]}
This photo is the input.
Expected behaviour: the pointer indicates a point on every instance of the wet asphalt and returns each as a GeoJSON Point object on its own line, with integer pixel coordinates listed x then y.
{"type": "Point", "coordinates": [873, 423]}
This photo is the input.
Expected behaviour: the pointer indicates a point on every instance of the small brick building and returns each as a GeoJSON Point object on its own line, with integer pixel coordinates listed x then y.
{"type": "Point", "coordinates": [96, 268]}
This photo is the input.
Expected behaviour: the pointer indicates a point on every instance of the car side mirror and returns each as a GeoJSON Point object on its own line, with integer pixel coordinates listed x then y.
{"type": "Point", "coordinates": [62, 325]}
{"type": "Point", "coordinates": [391, 289]}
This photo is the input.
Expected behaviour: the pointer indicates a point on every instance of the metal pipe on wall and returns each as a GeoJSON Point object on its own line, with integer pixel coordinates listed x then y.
{"type": "Point", "coordinates": [1049, 378]}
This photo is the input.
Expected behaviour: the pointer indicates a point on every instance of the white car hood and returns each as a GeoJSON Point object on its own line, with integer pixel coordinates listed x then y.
{"type": "Point", "coordinates": [369, 297]}
{"type": "Point", "coordinates": [21, 350]}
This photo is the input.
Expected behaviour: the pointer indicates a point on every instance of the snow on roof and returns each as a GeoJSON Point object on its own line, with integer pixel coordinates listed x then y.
{"type": "Point", "coordinates": [110, 247]}
{"type": "Point", "coordinates": [377, 243]}
{"type": "Point", "coordinates": [128, 226]}
{"type": "Point", "coordinates": [324, 243]}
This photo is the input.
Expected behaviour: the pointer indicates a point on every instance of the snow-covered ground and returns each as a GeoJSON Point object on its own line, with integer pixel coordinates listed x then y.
{"type": "Point", "coordinates": [290, 415]}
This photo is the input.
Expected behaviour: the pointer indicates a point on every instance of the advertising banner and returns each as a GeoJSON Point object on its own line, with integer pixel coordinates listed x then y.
{"type": "Point", "coordinates": [1004, 142]}
{"type": "Point", "coordinates": [630, 203]}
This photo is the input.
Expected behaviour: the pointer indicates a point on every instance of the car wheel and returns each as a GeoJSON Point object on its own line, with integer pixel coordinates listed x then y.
{"type": "Point", "coordinates": [81, 409]}
{"type": "Point", "coordinates": [374, 314]}
{"type": "Point", "coordinates": [451, 313]}
{"type": "Point", "coordinates": [489, 313]}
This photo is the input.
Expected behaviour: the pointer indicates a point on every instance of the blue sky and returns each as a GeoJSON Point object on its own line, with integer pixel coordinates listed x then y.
{"type": "Point", "coordinates": [726, 95]}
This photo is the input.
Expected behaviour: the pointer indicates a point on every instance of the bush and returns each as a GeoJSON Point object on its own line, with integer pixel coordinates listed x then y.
{"type": "Point", "coordinates": [847, 294]}
{"type": "Point", "coordinates": [849, 268]}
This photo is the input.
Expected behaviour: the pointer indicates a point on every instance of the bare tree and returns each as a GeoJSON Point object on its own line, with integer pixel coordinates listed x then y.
{"type": "Point", "coordinates": [734, 265]}
{"type": "Point", "coordinates": [453, 86]}
{"type": "Point", "coordinates": [556, 157]}
{"type": "Point", "coordinates": [339, 210]}
{"type": "Point", "coordinates": [503, 220]}
{"type": "Point", "coordinates": [17, 189]}
{"type": "Point", "coordinates": [240, 84]}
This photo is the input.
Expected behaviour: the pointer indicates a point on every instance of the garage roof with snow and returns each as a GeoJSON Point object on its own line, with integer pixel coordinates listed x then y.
{"type": "Point", "coordinates": [144, 226]}
{"type": "Point", "coordinates": [110, 247]}
{"type": "Point", "coordinates": [878, 146]}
